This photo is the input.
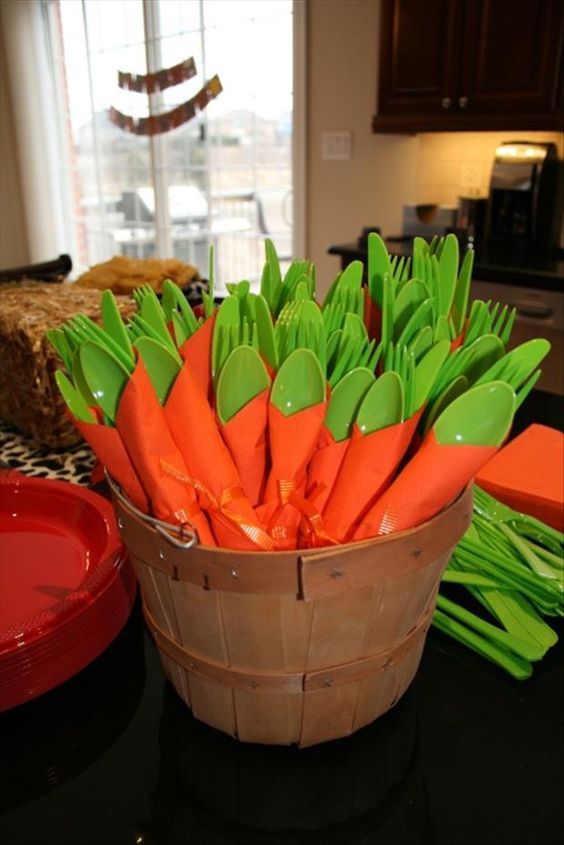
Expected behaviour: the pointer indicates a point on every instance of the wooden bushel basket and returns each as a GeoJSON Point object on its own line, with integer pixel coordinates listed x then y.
{"type": "Point", "coordinates": [291, 647]}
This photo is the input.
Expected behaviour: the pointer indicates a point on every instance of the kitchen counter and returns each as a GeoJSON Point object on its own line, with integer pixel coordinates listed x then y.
{"type": "Point", "coordinates": [517, 269]}
{"type": "Point", "coordinates": [467, 756]}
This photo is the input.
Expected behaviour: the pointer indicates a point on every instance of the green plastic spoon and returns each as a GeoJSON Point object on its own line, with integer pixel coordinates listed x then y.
{"type": "Point", "coordinates": [162, 366]}
{"type": "Point", "coordinates": [104, 375]}
{"type": "Point", "coordinates": [451, 392]}
{"type": "Point", "coordinates": [481, 417]}
{"type": "Point", "coordinates": [383, 404]}
{"type": "Point", "coordinates": [345, 402]}
{"type": "Point", "coordinates": [242, 377]}
{"type": "Point", "coordinates": [73, 399]}
{"type": "Point", "coordinates": [299, 383]}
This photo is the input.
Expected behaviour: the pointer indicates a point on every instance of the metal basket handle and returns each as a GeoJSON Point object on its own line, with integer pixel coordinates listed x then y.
{"type": "Point", "coordinates": [167, 530]}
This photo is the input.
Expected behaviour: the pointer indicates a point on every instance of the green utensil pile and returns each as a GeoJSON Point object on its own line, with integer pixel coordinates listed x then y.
{"type": "Point", "coordinates": [512, 568]}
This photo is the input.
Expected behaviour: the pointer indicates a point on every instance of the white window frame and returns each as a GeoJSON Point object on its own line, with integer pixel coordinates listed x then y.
{"type": "Point", "coordinates": [45, 182]}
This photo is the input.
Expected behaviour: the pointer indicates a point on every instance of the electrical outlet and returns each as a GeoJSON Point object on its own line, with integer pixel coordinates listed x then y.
{"type": "Point", "coordinates": [336, 146]}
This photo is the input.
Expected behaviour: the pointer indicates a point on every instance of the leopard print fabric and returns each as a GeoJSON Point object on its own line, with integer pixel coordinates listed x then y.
{"type": "Point", "coordinates": [20, 452]}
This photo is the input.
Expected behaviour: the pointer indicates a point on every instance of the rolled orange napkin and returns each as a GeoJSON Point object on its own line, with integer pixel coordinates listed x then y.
{"type": "Point", "coordinates": [210, 467]}
{"type": "Point", "coordinates": [324, 467]}
{"type": "Point", "coordinates": [142, 426]}
{"type": "Point", "coordinates": [372, 317]}
{"type": "Point", "coordinates": [106, 443]}
{"type": "Point", "coordinates": [245, 437]}
{"type": "Point", "coordinates": [196, 351]}
{"type": "Point", "coordinates": [368, 467]}
{"type": "Point", "coordinates": [429, 482]}
{"type": "Point", "coordinates": [293, 440]}
{"type": "Point", "coordinates": [528, 474]}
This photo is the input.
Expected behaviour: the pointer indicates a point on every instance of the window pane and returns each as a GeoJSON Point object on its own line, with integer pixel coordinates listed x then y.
{"type": "Point", "coordinates": [226, 176]}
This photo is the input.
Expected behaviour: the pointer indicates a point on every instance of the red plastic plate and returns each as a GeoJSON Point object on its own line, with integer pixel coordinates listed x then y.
{"type": "Point", "coordinates": [66, 583]}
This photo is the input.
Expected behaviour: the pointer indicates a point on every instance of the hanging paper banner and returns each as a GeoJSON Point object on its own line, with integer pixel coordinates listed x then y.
{"type": "Point", "coordinates": [156, 124]}
{"type": "Point", "coordinates": [148, 83]}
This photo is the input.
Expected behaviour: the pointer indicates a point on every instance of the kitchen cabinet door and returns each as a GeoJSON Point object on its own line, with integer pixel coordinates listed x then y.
{"type": "Point", "coordinates": [419, 56]}
{"type": "Point", "coordinates": [459, 65]}
{"type": "Point", "coordinates": [510, 58]}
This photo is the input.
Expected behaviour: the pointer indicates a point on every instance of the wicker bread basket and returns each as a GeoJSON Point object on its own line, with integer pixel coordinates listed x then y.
{"type": "Point", "coordinates": [293, 647]}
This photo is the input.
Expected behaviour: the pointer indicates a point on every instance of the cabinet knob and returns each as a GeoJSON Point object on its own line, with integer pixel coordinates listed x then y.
{"type": "Point", "coordinates": [463, 102]}
{"type": "Point", "coordinates": [446, 102]}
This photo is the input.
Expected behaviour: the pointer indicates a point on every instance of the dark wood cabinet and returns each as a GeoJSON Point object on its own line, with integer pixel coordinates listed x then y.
{"type": "Point", "coordinates": [449, 65]}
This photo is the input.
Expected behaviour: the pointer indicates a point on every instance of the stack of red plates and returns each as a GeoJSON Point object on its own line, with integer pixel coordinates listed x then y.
{"type": "Point", "coordinates": [66, 584]}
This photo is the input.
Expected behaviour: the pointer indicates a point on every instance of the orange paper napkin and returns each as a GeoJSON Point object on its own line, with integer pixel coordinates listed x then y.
{"type": "Point", "coordinates": [528, 475]}
{"type": "Point", "coordinates": [196, 351]}
{"type": "Point", "coordinates": [368, 467]}
{"type": "Point", "coordinates": [427, 484]}
{"type": "Point", "coordinates": [324, 467]}
{"type": "Point", "coordinates": [245, 437]}
{"type": "Point", "coordinates": [293, 441]}
{"type": "Point", "coordinates": [210, 468]}
{"type": "Point", "coordinates": [141, 424]}
{"type": "Point", "coordinates": [106, 443]}
{"type": "Point", "coordinates": [372, 317]}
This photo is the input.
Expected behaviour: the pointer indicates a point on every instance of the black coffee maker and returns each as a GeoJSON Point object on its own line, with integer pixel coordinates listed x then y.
{"type": "Point", "coordinates": [525, 195]}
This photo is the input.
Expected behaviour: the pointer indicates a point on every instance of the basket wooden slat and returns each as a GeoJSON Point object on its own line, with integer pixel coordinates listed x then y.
{"type": "Point", "coordinates": [327, 652]}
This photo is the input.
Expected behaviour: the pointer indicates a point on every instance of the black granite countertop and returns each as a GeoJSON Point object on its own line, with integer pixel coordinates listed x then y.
{"type": "Point", "coordinates": [522, 269]}
{"type": "Point", "coordinates": [114, 757]}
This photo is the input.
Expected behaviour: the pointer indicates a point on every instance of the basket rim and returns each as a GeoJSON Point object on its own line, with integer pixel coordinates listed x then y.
{"type": "Point", "coordinates": [153, 524]}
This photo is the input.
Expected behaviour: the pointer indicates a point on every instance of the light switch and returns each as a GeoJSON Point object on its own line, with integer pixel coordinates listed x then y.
{"type": "Point", "coordinates": [336, 146]}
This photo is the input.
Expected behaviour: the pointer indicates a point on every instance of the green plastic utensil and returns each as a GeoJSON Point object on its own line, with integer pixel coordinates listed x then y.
{"type": "Point", "coordinates": [242, 377]}
{"type": "Point", "coordinates": [516, 366]}
{"type": "Point", "coordinates": [422, 317]}
{"type": "Point", "coordinates": [113, 323]}
{"type": "Point", "coordinates": [345, 401]}
{"type": "Point", "coordinates": [448, 272]}
{"type": "Point", "coordinates": [422, 342]}
{"type": "Point", "coordinates": [174, 299]}
{"type": "Point", "coordinates": [226, 333]}
{"type": "Point", "coordinates": [265, 331]}
{"type": "Point", "coordinates": [481, 417]}
{"type": "Point", "coordinates": [442, 329]}
{"type": "Point", "coordinates": [451, 392]}
{"type": "Point", "coordinates": [383, 404]}
{"type": "Point", "coordinates": [378, 266]}
{"type": "Point", "coordinates": [208, 298]}
{"type": "Point", "coordinates": [78, 378]}
{"type": "Point", "coordinates": [73, 399]}
{"type": "Point", "coordinates": [299, 383]}
{"type": "Point", "coordinates": [408, 300]}
{"type": "Point", "coordinates": [427, 370]}
{"type": "Point", "coordinates": [152, 313]}
{"type": "Point", "coordinates": [482, 354]}
{"type": "Point", "coordinates": [161, 365]}
{"type": "Point", "coordinates": [59, 342]}
{"type": "Point", "coordinates": [104, 375]}
{"type": "Point", "coordinates": [461, 292]}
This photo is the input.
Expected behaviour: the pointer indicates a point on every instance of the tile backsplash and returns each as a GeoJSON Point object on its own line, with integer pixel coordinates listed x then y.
{"type": "Point", "coordinates": [459, 164]}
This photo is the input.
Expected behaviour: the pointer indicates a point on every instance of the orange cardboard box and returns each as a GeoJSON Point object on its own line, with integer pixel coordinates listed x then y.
{"type": "Point", "coordinates": [528, 474]}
